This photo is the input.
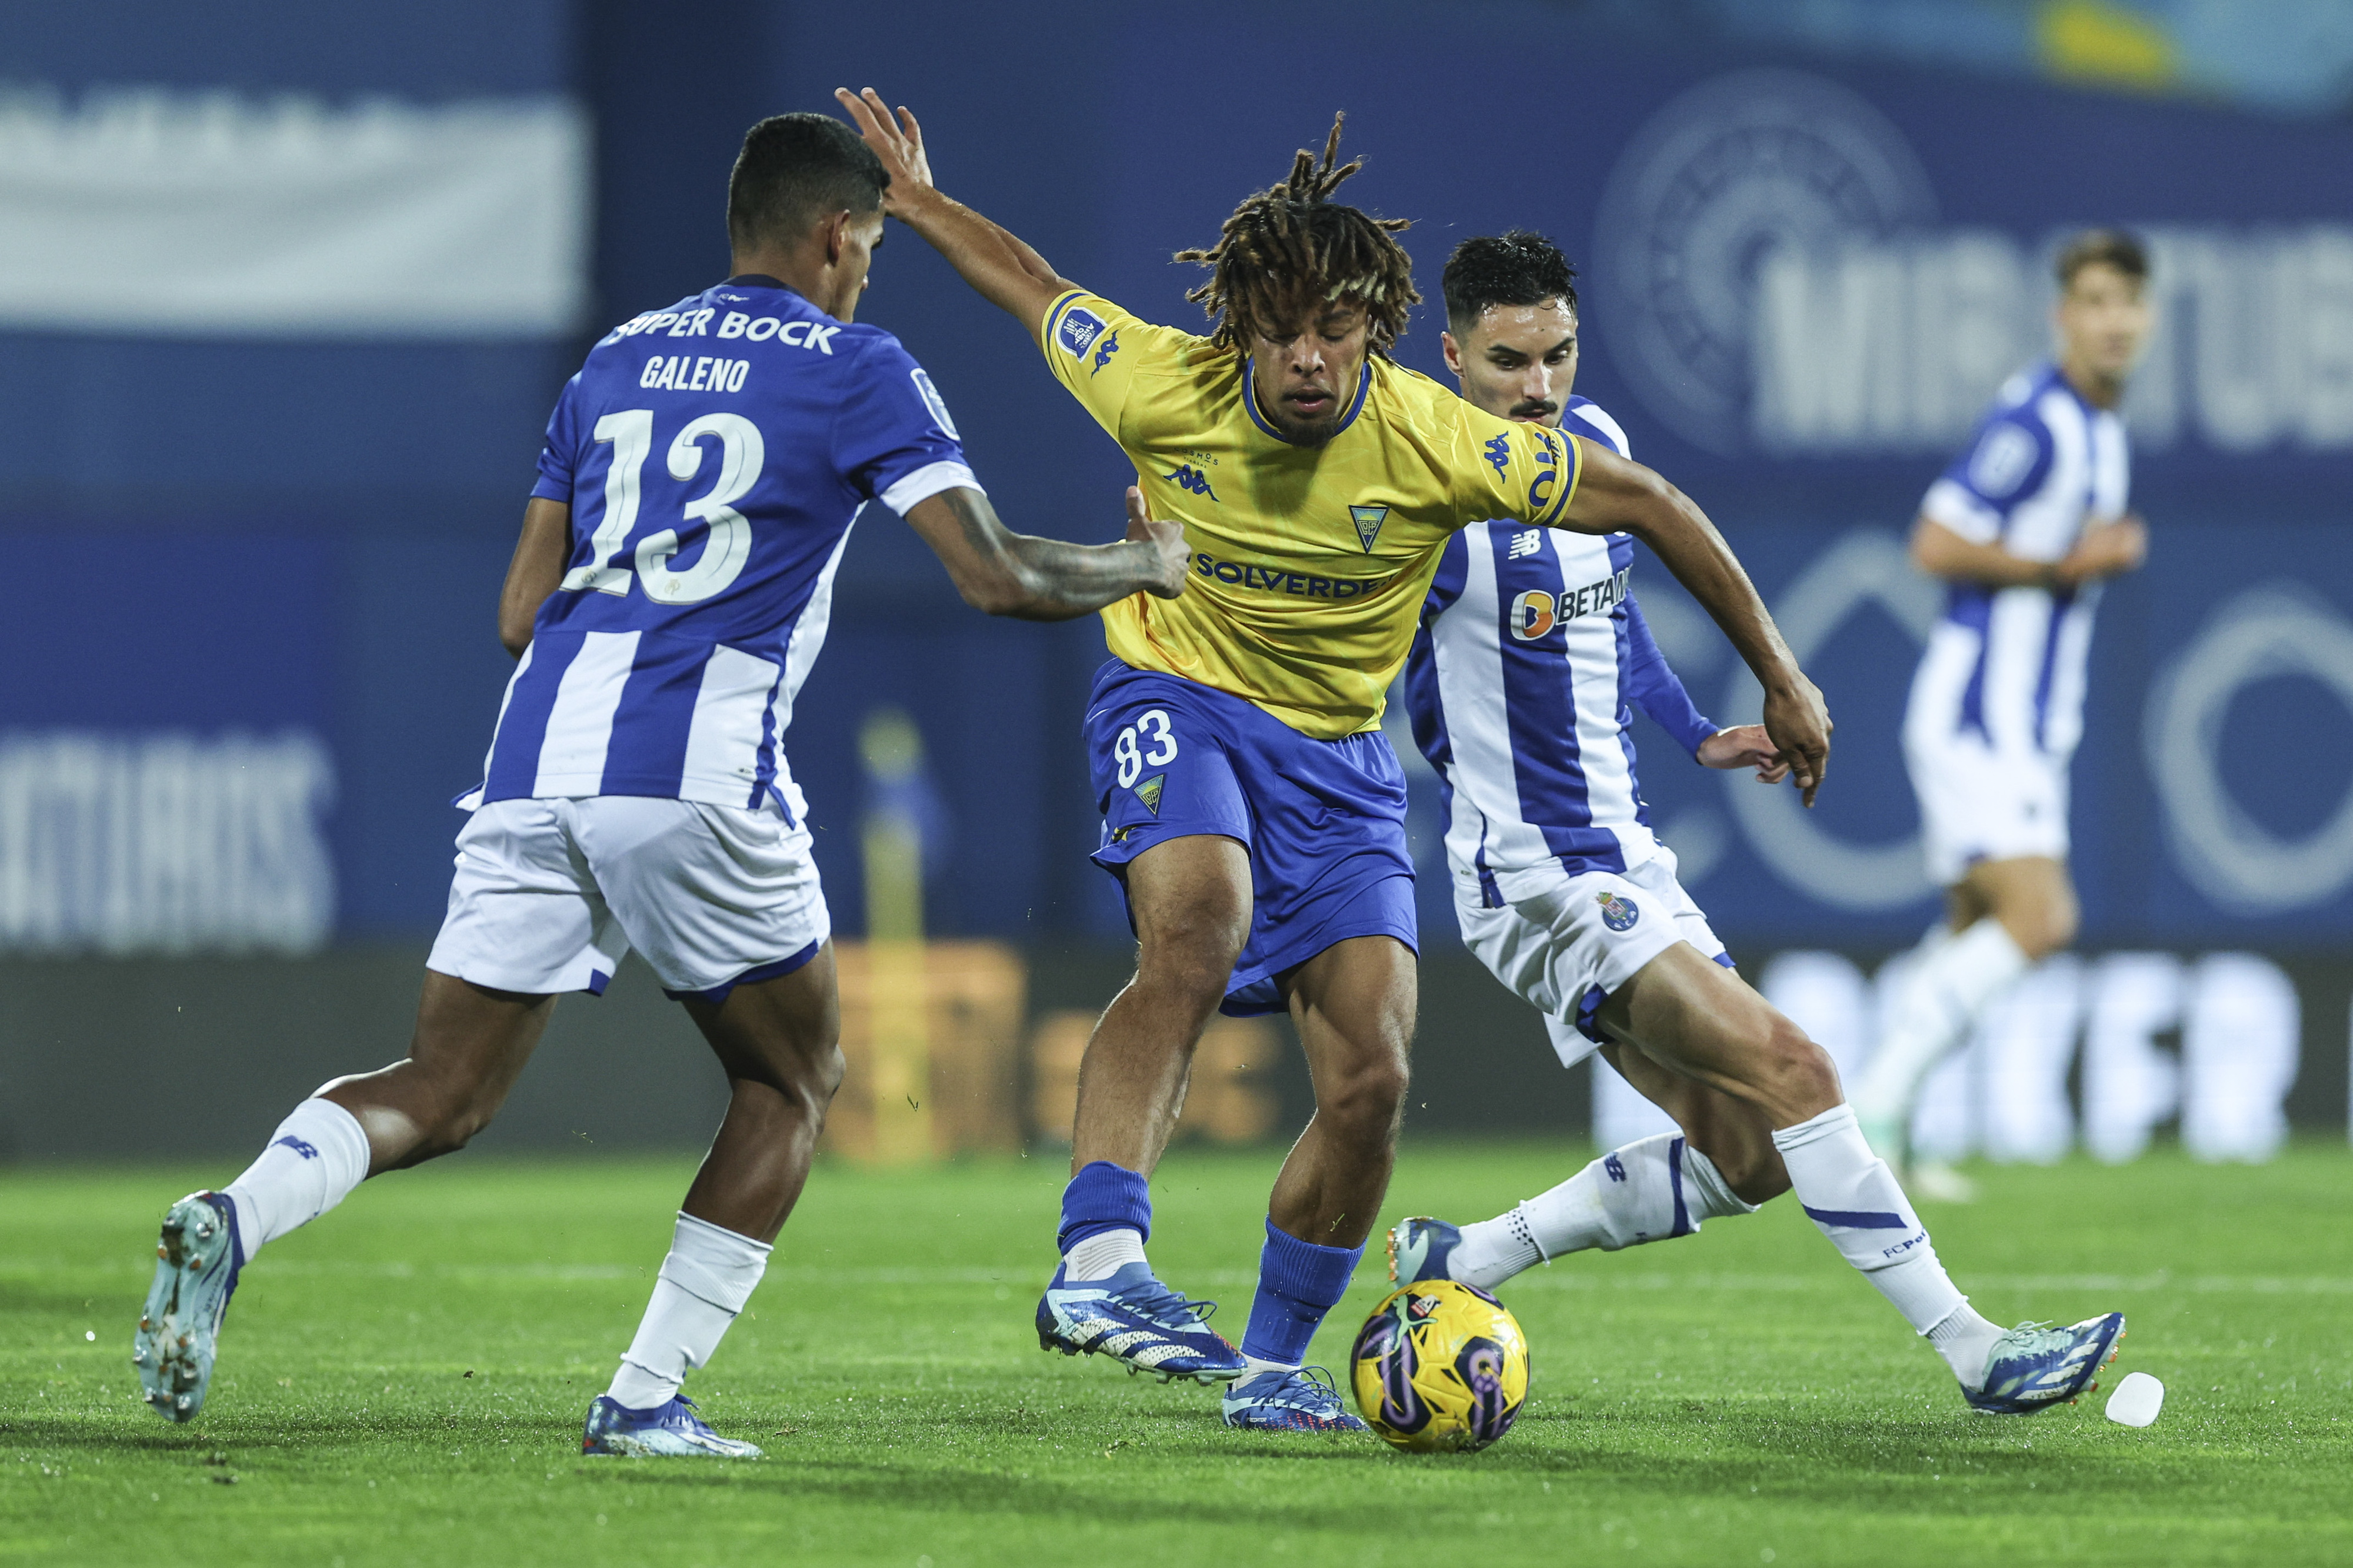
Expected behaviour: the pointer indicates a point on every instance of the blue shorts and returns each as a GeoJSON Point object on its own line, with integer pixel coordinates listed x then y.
{"type": "Point", "coordinates": [1324, 820]}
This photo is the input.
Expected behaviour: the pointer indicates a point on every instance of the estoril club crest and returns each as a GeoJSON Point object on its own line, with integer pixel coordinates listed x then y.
{"type": "Point", "coordinates": [1368, 521]}
{"type": "Point", "coordinates": [1713, 186]}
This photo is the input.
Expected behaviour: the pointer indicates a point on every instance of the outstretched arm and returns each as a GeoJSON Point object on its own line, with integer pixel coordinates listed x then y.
{"type": "Point", "coordinates": [1002, 572]}
{"type": "Point", "coordinates": [1616, 496]}
{"type": "Point", "coordinates": [1007, 273]}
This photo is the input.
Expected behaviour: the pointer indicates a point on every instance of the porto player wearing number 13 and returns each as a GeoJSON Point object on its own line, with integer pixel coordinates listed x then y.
{"type": "Point", "coordinates": [668, 596]}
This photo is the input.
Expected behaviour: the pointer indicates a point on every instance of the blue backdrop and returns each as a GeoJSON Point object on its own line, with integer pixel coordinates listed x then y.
{"type": "Point", "coordinates": [1802, 283]}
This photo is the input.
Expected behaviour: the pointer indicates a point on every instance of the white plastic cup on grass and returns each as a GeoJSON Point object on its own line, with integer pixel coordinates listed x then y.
{"type": "Point", "coordinates": [2136, 1400]}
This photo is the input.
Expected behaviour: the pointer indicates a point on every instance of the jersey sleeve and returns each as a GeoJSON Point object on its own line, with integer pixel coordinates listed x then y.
{"type": "Point", "coordinates": [1510, 470]}
{"type": "Point", "coordinates": [2006, 462]}
{"type": "Point", "coordinates": [1095, 350]}
{"type": "Point", "coordinates": [1655, 688]}
{"type": "Point", "coordinates": [559, 455]}
{"type": "Point", "coordinates": [894, 439]}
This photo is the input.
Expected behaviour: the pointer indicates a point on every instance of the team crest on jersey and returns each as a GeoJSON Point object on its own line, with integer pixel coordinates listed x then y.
{"type": "Point", "coordinates": [1618, 913]}
{"type": "Point", "coordinates": [1148, 792]}
{"type": "Point", "coordinates": [1078, 330]}
{"type": "Point", "coordinates": [1368, 521]}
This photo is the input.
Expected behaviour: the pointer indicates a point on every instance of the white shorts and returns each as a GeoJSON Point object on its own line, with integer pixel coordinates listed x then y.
{"type": "Point", "coordinates": [1566, 949]}
{"type": "Point", "coordinates": [550, 895]}
{"type": "Point", "coordinates": [1976, 804]}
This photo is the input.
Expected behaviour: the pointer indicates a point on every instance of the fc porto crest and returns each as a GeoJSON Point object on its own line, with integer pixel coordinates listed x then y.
{"type": "Point", "coordinates": [1619, 914]}
{"type": "Point", "coordinates": [1148, 792]}
{"type": "Point", "coordinates": [1368, 521]}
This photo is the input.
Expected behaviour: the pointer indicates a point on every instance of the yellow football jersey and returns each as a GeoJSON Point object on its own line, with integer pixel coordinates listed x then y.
{"type": "Point", "coordinates": [1309, 563]}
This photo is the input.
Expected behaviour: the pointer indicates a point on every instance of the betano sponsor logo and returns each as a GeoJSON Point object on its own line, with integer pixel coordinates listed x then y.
{"type": "Point", "coordinates": [1539, 611]}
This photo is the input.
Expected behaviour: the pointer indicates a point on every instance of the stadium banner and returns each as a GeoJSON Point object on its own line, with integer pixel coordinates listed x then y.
{"type": "Point", "coordinates": [154, 212]}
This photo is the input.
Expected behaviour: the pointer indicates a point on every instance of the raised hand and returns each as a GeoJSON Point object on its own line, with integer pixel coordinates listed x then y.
{"type": "Point", "coordinates": [1169, 538]}
{"type": "Point", "coordinates": [1744, 746]}
{"type": "Point", "coordinates": [898, 142]}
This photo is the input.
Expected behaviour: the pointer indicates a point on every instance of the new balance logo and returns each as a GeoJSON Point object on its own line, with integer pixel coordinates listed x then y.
{"type": "Point", "coordinates": [1524, 543]}
{"type": "Point", "coordinates": [308, 1151]}
{"type": "Point", "coordinates": [1616, 1167]}
{"type": "Point", "coordinates": [1186, 476]}
{"type": "Point", "coordinates": [1499, 452]}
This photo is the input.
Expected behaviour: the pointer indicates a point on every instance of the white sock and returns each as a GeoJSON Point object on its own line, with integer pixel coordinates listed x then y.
{"type": "Point", "coordinates": [1952, 982]}
{"type": "Point", "coordinates": [1259, 1363]}
{"type": "Point", "coordinates": [705, 1282]}
{"type": "Point", "coordinates": [1853, 1198]}
{"type": "Point", "coordinates": [1651, 1190]}
{"type": "Point", "coordinates": [312, 1162]}
{"type": "Point", "coordinates": [1101, 1255]}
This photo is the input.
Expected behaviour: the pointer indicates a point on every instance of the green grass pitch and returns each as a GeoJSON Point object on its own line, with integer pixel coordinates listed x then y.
{"type": "Point", "coordinates": [405, 1381]}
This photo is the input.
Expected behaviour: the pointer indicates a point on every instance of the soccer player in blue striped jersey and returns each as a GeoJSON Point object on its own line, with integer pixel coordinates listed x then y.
{"type": "Point", "coordinates": [2022, 530]}
{"type": "Point", "coordinates": [666, 600]}
{"type": "Point", "coordinates": [1532, 655]}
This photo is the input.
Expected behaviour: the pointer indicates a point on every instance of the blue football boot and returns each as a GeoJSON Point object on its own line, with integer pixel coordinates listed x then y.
{"type": "Point", "coordinates": [2035, 1366]}
{"type": "Point", "coordinates": [1303, 1399]}
{"type": "Point", "coordinates": [1419, 1249]}
{"type": "Point", "coordinates": [196, 1265]}
{"type": "Point", "coordinates": [1137, 1320]}
{"type": "Point", "coordinates": [667, 1431]}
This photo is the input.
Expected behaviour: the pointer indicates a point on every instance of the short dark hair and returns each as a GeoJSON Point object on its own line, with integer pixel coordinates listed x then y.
{"type": "Point", "coordinates": [2102, 247]}
{"type": "Point", "coordinates": [794, 169]}
{"type": "Point", "coordinates": [1518, 267]}
{"type": "Point", "coordinates": [1290, 247]}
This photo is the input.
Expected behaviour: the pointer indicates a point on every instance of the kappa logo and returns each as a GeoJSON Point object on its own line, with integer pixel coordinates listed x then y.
{"type": "Point", "coordinates": [1368, 521]}
{"type": "Point", "coordinates": [307, 1149]}
{"type": "Point", "coordinates": [1102, 355]}
{"type": "Point", "coordinates": [1186, 476]}
{"type": "Point", "coordinates": [1618, 912]}
{"type": "Point", "coordinates": [1499, 452]}
{"type": "Point", "coordinates": [1078, 330]}
{"type": "Point", "coordinates": [1148, 792]}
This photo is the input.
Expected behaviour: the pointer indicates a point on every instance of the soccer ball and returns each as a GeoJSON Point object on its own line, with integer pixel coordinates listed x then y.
{"type": "Point", "coordinates": [1440, 1365]}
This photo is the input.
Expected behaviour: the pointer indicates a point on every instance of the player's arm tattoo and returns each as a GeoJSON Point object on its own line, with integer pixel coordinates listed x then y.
{"type": "Point", "coordinates": [1002, 572]}
{"type": "Point", "coordinates": [1615, 495]}
{"type": "Point", "coordinates": [532, 574]}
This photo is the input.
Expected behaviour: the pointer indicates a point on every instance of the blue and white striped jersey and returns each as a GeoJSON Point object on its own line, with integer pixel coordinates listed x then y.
{"type": "Point", "coordinates": [714, 454]}
{"type": "Point", "coordinates": [2006, 665]}
{"type": "Point", "coordinates": [1530, 657]}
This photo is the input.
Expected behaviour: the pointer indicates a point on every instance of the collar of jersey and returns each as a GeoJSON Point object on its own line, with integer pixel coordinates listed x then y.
{"type": "Point", "coordinates": [1249, 401]}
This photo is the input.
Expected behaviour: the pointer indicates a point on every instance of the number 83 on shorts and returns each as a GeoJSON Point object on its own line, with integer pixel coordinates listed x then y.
{"type": "Point", "coordinates": [1149, 742]}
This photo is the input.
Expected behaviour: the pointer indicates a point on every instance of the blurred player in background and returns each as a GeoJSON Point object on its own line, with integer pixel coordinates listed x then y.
{"type": "Point", "coordinates": [1532, 657]}
{"type": "Point", "coordinates": [2022, 529]}
{"type": "Point", "coordinates": [1254, 813]}
{"type": "Point", "coordinates": [667, 597]}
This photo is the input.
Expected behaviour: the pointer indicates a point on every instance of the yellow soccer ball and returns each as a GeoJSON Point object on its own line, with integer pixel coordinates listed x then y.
{"type": "Point", "coordinates": [1440, 1365]}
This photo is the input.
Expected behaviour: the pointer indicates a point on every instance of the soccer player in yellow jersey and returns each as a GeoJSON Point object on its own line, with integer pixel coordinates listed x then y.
{"type": "Point", "coordinates": [1253, 813]}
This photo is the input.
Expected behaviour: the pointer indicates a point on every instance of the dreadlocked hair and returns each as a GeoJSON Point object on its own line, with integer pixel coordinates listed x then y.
{"type": "Point", "coordinates": [1292, 247]}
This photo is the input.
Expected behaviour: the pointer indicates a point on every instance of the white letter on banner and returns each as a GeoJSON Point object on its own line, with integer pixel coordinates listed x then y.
{"type": "Point", "coordinates": [2130, 1086]}
{"type": "Point", "coordinates": [2240, 1045]}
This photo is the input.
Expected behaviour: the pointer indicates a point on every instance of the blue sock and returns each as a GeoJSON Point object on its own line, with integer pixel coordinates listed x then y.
{"type": "Point", "coordinates": [1298, 1282]}
{"type": "Point", "coordinates": [1104, 1196]}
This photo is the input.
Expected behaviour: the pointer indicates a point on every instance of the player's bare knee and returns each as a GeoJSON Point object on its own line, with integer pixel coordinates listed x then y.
{"type": "Point", "coordinates": [1794, 1076]}
{"type": "Point", "coordinates": [1365, 1100]}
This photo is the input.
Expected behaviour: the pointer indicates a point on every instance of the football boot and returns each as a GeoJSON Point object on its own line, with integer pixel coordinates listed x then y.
{"type": "Point", "coordinates": [2035, 1366]}
{"type": "Point", "coordinates": [667, 1431]}
{"type": "Point", "coordinates": [1302, 1399]}
{"type": "Point", "coordinates": [1137, 1320]}
{"type": "Point", "coordinates": [1419, 1249]}
{"type": "Point", "coordinates": [196, 1265]}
